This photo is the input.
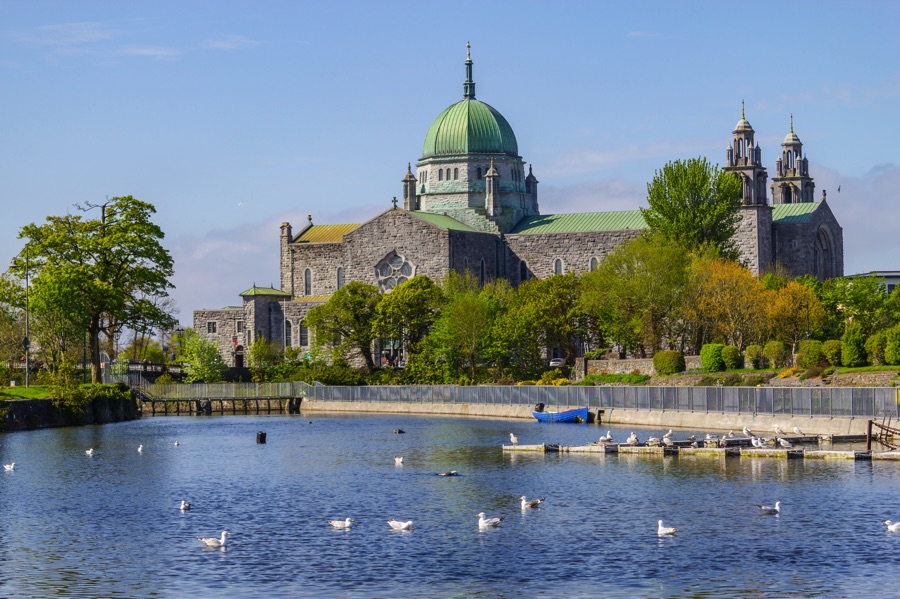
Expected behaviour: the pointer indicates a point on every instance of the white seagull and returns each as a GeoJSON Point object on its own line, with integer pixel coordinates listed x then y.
{"type": "Point", "coordinates": [779, 432]}
{"type": "Point", "coordinates": [785, 443]}
{"type": "Point", "coordinates": [668, 435]}
{"type": "Point", "coordinates": [770, 509]}
{"type": "Point", "coordinates": [668, 442]}
{"type": "Point", "coordinates": [89, 452]}
{"type": "Point", "coordinates": [892, 526]}
{"type": "Point", "coordinates": [513, 439]}
{"type": "Point", "coordinates": [488, 522]}
{"type": "Point", "coordinates": [799, 432]}
{"type": "Point", "coordinates": [177, 443]}
{"type": "Point", "coordinates": [664, 531]}
{"type": "Point", "coordinates": [9, 467]}
{"type": "Point", "coordinates": [654, 441]}
{"type": "Point", "coordinates": [398, 525]}
{"type": "Point", "coordinates": [607, 438]}
{"type": "Point", "coordinates": [215, 541]}
{"type": "Point", "coordinates": [747, 432]}
{"type": "Point", "coordinates": [140, 449]}
{"type": "Point", "coordinates": [398, 460]}
{"type": "Point", "coordinates": [633, 440]}
{"type": "Point", "coordinates": [527, 503]}
{"type": "Point", "coordinates": [185, 505]}
{"type": "Point", "coordinates": [343, 524]}
{"type": "Point", "coordinates": [730, 434]}
{"type": "Point", "coordinates": [449, 473]}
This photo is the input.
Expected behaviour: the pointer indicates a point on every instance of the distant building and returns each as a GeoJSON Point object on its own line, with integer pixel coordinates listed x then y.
{"type": "Point", "coordinates": [470, 204]}
{"type": "Point", "coordinates": [891, 278]}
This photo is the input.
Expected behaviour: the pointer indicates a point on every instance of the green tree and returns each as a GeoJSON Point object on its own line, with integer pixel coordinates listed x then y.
{"type": "Point", "coordinates": [860, 300]}
{"type": "Point", "coordinates": [201, 358]}
{"type": "Point", "coordinates": [408, 312]}
{"type": "Point", "coordinates": [345, 322]}
{"type": "Point", "coordinates": [102, 273]}
{"type": "Point", "coordinates": [694, 203]}
{"type": "Point", "coordinates": [262, 354]}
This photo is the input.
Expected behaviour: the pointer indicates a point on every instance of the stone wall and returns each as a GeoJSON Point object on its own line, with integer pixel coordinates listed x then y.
{"type": "Point", "coordinates": [642, 365]}
{"type": "Point", "coordinates": [796, 244]}
{"type": "Point", "coordinates": [753, 238]}
{"type": "Point", "coordinates": [226, 323]}
{"type": "Point", "coordinates": [540, 250]}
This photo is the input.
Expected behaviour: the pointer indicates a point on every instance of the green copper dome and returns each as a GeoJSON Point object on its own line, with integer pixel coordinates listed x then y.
{"type": "Point", "coordinates": [469, 127]}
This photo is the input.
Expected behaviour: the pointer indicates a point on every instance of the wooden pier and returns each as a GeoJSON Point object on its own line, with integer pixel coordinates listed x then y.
{"type": "Point", "coordinates": [220, 406]}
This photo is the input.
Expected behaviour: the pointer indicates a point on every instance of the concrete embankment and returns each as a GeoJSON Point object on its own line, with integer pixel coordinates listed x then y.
{"type": "Point", "coordinates": [713, 421]}
{"type": "Point", "coordinates": [30, 414]}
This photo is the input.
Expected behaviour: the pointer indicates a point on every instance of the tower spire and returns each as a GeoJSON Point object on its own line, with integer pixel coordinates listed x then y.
{"type": "Point", "coordinates": [742, 108]}
{"type": "Point", "coordinates": [469, 85]}
{"type": "Point", "coordinates": [792, 122]}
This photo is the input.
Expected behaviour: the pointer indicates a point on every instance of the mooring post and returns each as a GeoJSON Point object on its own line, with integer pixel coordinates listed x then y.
{"type": "Point", "coordinates": [869, 436]}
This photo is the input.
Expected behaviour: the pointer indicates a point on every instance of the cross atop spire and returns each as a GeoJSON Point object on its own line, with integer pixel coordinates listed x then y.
{"type": "Point", "coordinates": [742, 108]}
{"type": "Point", "coordinates": [469, 85]}
{"type": "Point", "coordinates": [792, 122]}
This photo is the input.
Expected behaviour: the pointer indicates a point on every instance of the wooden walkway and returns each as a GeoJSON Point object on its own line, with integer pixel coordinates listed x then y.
{"type": "Point", "coordinates": [219, 405]}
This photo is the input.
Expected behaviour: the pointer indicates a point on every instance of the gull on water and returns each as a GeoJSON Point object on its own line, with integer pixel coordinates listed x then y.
{"type": "Point", "coordinates": [664, 531]}
{"type": "Point", "coordinates": [527, 503]}
{"type": "Point", "coordinates": [140, 449]}
{"type": "Point", "coordinates": [798, 431]}
{"type": "Point", "coordinates": [770, 509]}
{"type": "Point", "coordinates": [9, 467]}
{"type": "Point", "coordinates": [513, 439]}
{"type": "Point", "coordinates": [215, 541]}
{"type": "Point", "coordinates": [398, 525]}
{"type": "Point", "coordinates": [185, 505]}
{"type": "Point", "coordinates": [449, 473]}
{"type": "Point", "coordinates": [607, 438]}
{"type": "Point", "coordinates": [89, 452]}
{"type": "Point", "coordinates": [342, 523]}
{"type": "Point", "coordinates": [398, 460]}
{"type": "Point", "coordinates": [892, 526]}
{"type": "Point", "coordinates": [488, 522]}
{"type": "Point", "coordinates": [785, 443]}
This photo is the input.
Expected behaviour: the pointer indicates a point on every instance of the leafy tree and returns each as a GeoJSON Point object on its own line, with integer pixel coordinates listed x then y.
{"type": "Point", "coordinates": [201, 358]}
{"type": "Point", "coordinates": [729, 300]}
{"type": "Point", "coordinates": [861, 300]}
{"type": "Point", "coordinates": [262, 354]}
{"type": "Point", "coordinates": [408, 312]}
{"type": "Point", "coordinates": [345, 321]}
{"type": "Point", "coordinates": [754, 355]}
{"type": "Point", "coordinates": [892, 346]}
{"type": "Point", "coordinates": [711, 357]}
{"type": "Point", "coordinates": [776, 353]}
{"type": "Point", "coordinates": [140, 349]}
{"type": "Point", "coordinates": [853, 345]}
{"type": "Point", "coordinates": [810, 353]}
{"type": "Point", "coordinates": [875, 346]}
{"type": "Point", "coordinates": [694, 203]}
{"type": "Point", "coordinates": [831, 349]}
{"type": "Point", "coordinates": [101, 273]}
{"type": "Point", "coordinates": [793, 313]}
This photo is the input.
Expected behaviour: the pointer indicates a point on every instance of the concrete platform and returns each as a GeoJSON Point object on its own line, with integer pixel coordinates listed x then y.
{"type": "Point", "coordinates": [785, 454]}
{"type": "Point", "coordinates": [712, 452]}
{"type": "Point", "coordinates": [539, 448]}
{"type": "Point", "coordinates": [837, 455]}
{"type": "Point", "coordinates": [887, 456]}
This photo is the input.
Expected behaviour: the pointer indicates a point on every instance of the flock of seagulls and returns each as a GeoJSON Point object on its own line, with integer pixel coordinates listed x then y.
{"type": "Point", "coordinates": [667, 439]}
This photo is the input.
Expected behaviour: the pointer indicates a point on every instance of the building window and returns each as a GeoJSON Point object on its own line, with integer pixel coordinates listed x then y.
{"type": "Point", "coordinates": [307, 282]}
{"type": "Point", "coordinates": [304, 334]}
{"type": "Point", "coordinates": [593, 264]}
{"type": "Point", "coordinates": [211, 327]}
{"type": "Point", "coordinates": [340, 277]}
{"type": "Point", "coordinates": [440, 174]}
{"type": "Point", "coordinates": [239, 326]}
{"type": "Point", "coordinates": [288, 333]}
{"type": "Point", "coordinates": [393, 270]}
{"type": "Point", "coordinates": [448, 174]}
{"type": "Point", "coordinates": [557, 266]}
{"type": "Point", "coordinates": [455, 174]}
{"type": "Point", "coordinates": [479, 172]}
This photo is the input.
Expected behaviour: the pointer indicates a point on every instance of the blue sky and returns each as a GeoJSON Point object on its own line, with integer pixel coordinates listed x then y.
{"type": "Point", "coordinates": [234, 116]}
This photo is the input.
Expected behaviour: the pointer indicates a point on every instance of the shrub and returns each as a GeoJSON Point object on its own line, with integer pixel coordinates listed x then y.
{"type": "Point", "coordinates": [831, 349]}
{"type": "Point", "coordinates": [810, 353]}
{"type": "Point", "coordinates": [668, 362]}
{"type": "Point", "coordinates": [892, 346]}
{"type": "Point", "coordinates": [549, 376]}
{"type": "Point", "coordinates": [596, 354]}
{"type": "Point", "coordinates": [875, 346]}
{"type": "Point", "coordinates": [711, 357]}
{"type": "Point", "coordinates": [523, 383]}
{"type": "Point", "coordinates": [732, 357]}
{"type": "Point", "coordinates": [164, 379]}
{"type": "Point", "coordinates": [853, 346]}
{"type": "Point", "coordinates": [776, 353]}
{"type": "Point", "coordinates": [813, 372]}
{"type": "Point", "coordinates": [754, 355]}
{"type": "Point", "coordinates": [732, 379]}
{"type": "Point", "coordinates": [560, 382]}
{"type": "Point", "coordinates": [629, 379]}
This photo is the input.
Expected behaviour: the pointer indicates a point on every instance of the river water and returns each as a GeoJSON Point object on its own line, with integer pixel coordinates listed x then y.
{"type": "Point", "coordinates": [110, 525]}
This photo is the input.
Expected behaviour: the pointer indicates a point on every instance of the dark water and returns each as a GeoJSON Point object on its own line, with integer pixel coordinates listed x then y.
{"type": "Point", "coordinates": [109, 526]}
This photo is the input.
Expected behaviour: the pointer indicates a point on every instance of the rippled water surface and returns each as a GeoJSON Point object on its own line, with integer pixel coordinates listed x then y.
{"type": "Point", "coordinates": [109, 525]}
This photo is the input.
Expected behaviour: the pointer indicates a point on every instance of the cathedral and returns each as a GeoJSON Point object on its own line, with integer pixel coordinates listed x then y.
{"type": "Point", "coordinates": [471, 204]}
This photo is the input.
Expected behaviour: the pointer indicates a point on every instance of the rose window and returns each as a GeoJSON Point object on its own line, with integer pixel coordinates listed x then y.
{"type": "Point", "coordinates": [393, 270]}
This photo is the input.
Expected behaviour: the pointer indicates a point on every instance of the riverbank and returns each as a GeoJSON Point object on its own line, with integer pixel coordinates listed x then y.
{"type": "Point", "coordinates": [112, 404]}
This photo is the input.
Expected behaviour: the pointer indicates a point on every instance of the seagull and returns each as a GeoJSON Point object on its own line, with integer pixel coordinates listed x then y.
{"type": "Point", "coordinates": [185, 506]}
{"type": "Point", "coordinates": [730, 434]}
{"type": "Point", "coordinates": [668, 442]}
{"type": "Point", "coordinates": [711, 437]}
{"type": "Point", "coordinates": [140, 449]}
{"type": "Point", "coordinates": [653, 441]}
{"type": "Point", "coordinates": [397, 525]}
{"type": "Point", "coordinates": [839, 189]}
{"type": "Point", "coordinates": [892, 526]}
{"type": "Point", "coordinates": [513, 439]}
{"type": "Point", "coordinates": [779, 432]}
{"type": "Point", "coordinates": [668, 435]}
{"type": "Point", "coordinates": [89, 452]}
{"type": "Point", "coordinates": [241, 203]}
{"type": "Point", "coordinates": [785, 443]}
{"type": "Point", "coordinates": [798, 431]}
{"type": "Point", "coordinates": [398, 460]}
{"type": "Point", "coordinates": [341, 524]}
{"type": "Point", "coordinates": [606, 438]}
{"type": "Point", "coordinates": [177, 444]}
{"type": "Point", "coordinates": [694, 444]}
{"type": "Point", "coordinates": [9, 467]}
{"type": "Point", "coordinates": [664, 531]}
{"type": "Point", "coordinates": [633, 440]}
{"type": "Point", "coordinates": [770, 509]}
{"type": "Point", "coordinates": [747, 432]}
{"type": "Point", "coordinates": [527, 503]}
{"type": "Point", "coordinates": [488, 522]}
{"type": "Point", "coordinates": [215, 541]}
{"type": "Point", "coordinates": [449, 473]}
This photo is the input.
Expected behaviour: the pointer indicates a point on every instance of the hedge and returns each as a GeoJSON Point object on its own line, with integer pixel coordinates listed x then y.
{"type": "Point", "coordinates": [732, 357]}
{"type": "Point", "coordinates": [668, 362]}
{"type": "Point", "coordinates": [711, 357]}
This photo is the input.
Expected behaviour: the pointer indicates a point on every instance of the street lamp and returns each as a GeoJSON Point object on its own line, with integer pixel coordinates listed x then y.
{"type": "Point", "coordinates": [25, 341]}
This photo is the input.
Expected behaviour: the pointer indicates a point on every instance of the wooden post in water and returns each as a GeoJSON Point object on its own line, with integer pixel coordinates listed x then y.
{"type": "Point", "coordinates": [869, 436]}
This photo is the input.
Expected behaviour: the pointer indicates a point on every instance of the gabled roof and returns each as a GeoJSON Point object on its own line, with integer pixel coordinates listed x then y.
{"type": "Point", "coordinates": [265, 291]}
{"type": "Point", "coordinates": [444, 222]}
{"type": "Point", "coordinates": [793, 213]}
{"type": "Point", "coordinates": [582, 221]}
{"type": "Point", "coordinates": [325, 233]}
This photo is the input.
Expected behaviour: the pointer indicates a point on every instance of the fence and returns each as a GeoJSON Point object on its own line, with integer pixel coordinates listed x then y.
{"type": "Point", "coordinates": [844, 402]}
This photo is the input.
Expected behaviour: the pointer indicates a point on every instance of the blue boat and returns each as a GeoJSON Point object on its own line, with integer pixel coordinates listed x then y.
{"type": "Point", "coordinates": [573, 415]}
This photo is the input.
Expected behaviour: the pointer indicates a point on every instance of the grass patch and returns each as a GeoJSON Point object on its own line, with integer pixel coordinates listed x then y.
{"type": "Point", "coordinates": [628, 379]}
{"type": "Point", "coordinates": [30, 392]}
{"type": "Point", "coordinates": [882, 368]}
{"type": "Point", "coordinates": [732, 380]}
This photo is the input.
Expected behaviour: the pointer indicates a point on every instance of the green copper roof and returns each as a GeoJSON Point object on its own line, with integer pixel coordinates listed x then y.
{"type": "Point", "coordinates": [584, 221]}
{"type": "Point", "coordinates": [469, 127]}
{"type": "Point", "coordinates": [265, 291]}
{"type": "Point", "coordinates": [444, 222]}
{"type": "Point", "coordinates": [793, 213]}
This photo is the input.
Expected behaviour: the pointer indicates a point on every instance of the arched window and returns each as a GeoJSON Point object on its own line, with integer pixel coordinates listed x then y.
{"type": "Point", "coordinates": [340, 277]}
{"type": "Point", "coordinates": [557, 266]}
{"type": "Point", "coordinates": [304, 334]}
{"type": "Point", "coordinates": [523, 271]}
{"type": "Point", "coordinates": [448, 174]}
{"type": "Point", "coordinates": [593, 264]}
{"type": "Point", "coordinates": [307, 282]}
{"type": "Point", "coordinates": [440, 174]}
{"type": "Point", "coordinates": [455, 174]}
{"type": "Point", "coordinates": [478, 172]}
{"type": "Point", "coordinates": [288, 334]}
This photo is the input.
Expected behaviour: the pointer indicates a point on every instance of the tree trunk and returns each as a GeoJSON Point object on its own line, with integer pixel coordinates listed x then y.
{"type": "Point", "coordinates": [94, 342]}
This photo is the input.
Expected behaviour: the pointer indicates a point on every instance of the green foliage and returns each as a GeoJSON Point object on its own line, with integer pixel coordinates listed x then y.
{"type": "Point", "coordinates": [694, 203]}
{"type": "Point", "coordinates": [550, 377]}
{"type": "Point", "coordinates": [596, 354]}
{"type": "Point", "coordinates": [668, 362]}
{"type": "Point", "coordinates": [776, 353]}
{"type": "Point", "coordinates": [810, 353]}
{"type": "Point", "coordinates": [408, 312]}
{"type": "Point", "coordinates": [813, 372]}
{"type": "Point", "coordinates": [859, 300]}
{"type": "Point", "coordinates": [732, 379]}
{"type": "Point", "coordinates": [732, 357]}
{"type": "Point", "coordinates": [831, 349]}
{"type": "Point", "coordinates": [345, 322]}
{"type": "Point", "coordinates": [755, 356]}
{"type": "Point", "coordinates": [875, 346]}
{"type": "Point", "coordinates": [201, 359]}
{"type": "Point", "coordinates": [605, 379]}
{"type": "Point", "coordinates": [164, 379]}
{"type": "Point", "coordinates": [711, 357]}
{"type": "Point", "coordinates": [892, 345]}
{"type": "Point", "coordinates": [262, 355]}
{"type": "Point", "coordinates": [853, 346]}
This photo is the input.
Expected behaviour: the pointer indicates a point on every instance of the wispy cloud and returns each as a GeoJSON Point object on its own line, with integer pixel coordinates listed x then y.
{"type": "Point", "coordinates": [158, 52]}
{"type": "Point", "coordinates": [230, 42]}
{"type": "Point", "coordinates": [587, 160]}
{"type": "Point", "coordinates": [71, 34]}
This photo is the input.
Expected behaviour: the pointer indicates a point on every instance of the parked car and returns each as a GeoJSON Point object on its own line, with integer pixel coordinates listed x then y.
{"type": "Point", "coordinates": [557, 362]}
